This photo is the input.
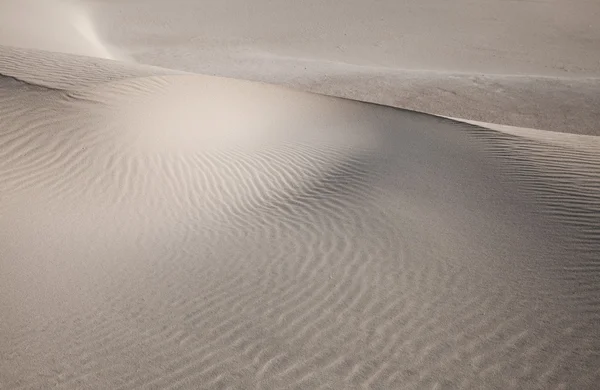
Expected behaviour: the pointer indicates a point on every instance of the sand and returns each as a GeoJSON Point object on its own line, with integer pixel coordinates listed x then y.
{"type": "Point", "coordinates": [522, 63]}
{"type": "Point", "coordinates": [161, 228]}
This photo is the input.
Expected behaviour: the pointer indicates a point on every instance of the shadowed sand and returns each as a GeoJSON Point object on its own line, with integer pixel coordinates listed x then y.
{"type": "Point", "coordinates": [168, 230]}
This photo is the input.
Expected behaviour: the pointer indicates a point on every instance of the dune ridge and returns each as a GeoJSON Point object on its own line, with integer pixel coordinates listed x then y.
{"type": "Point", "coordinates": [521, 63]}
{"type": "Point", "coordinates": [162, 229]}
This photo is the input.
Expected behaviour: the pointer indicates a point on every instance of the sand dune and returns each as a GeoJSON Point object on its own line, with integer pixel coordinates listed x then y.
{"type": "Point", "coordinates": [161, 229]}
{"type": "Point", "coordinates": [521, 63]}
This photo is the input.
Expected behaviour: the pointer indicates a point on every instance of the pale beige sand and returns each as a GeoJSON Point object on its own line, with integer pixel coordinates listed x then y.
{"type": "Point", "coordinates": [522, 63]}
{"type": "Point", "coordinates": [50, 25]}
{"type": "Point", "coordinates": [169, 230]}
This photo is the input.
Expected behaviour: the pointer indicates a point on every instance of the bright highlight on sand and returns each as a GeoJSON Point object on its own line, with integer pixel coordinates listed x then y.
{"type": "Point", "coordinates": [162, 229]}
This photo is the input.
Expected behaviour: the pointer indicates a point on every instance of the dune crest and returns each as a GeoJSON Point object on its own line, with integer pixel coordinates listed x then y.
{"type": "Point", "coordinates": [521, 63]}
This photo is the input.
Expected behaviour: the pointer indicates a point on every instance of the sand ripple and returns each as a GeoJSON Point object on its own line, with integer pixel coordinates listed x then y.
{"type": "Point", "coordinates": [179, 231]}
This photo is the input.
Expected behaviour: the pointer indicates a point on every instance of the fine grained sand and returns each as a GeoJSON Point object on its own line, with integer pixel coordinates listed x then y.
{"type": "Point", "coordinates": [521, 63]}
{"type": "Point", "coordinates": [168, 230]}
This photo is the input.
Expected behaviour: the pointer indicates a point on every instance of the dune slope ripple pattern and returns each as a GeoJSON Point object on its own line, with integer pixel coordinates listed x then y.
{"type": "Point", "coordinates": [186, 231]}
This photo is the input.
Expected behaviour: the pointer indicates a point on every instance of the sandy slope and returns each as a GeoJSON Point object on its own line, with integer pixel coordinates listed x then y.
{"type": "Point", "coordinates": [522, 63]}
{"type": "Point", "coordinates": [170, 230]}
{"type": "Point", "coordinates": [50, 25]}
{"type": "Point", "coordinates": [551, 38]}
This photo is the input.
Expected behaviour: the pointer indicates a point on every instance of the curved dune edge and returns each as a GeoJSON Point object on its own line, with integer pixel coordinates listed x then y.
{"type": "Point", "coordinates": [560, 104]}
{"type": "Point", "coordinates": [190, 231]}
{"type": "Point", "coordinates": [552, 104]}
{"type": "Point", "coordinates": [565, 103]}
{"type": "Point", "coordinates": [580, 141]}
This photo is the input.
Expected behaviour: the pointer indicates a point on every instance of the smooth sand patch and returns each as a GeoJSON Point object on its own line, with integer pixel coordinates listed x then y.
{"type": "Point", "coordinates": [54, 25]}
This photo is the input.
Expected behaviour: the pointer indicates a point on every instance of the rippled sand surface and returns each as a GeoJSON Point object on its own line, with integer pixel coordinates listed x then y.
{"type": "Point", "coordinates": [166, 229]}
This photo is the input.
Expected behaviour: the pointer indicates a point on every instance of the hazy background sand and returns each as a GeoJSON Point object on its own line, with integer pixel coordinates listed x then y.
{"type": "Point", "coordinates": [457, 58]}
{"type": "Point", "coordinates": [162, 229]}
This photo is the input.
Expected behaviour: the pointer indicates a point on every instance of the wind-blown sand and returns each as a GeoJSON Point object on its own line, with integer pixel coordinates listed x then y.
{"type": "Point", "coordinates": [162, 229]}
{"type": "Point", "coordinates": [521, 63]}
